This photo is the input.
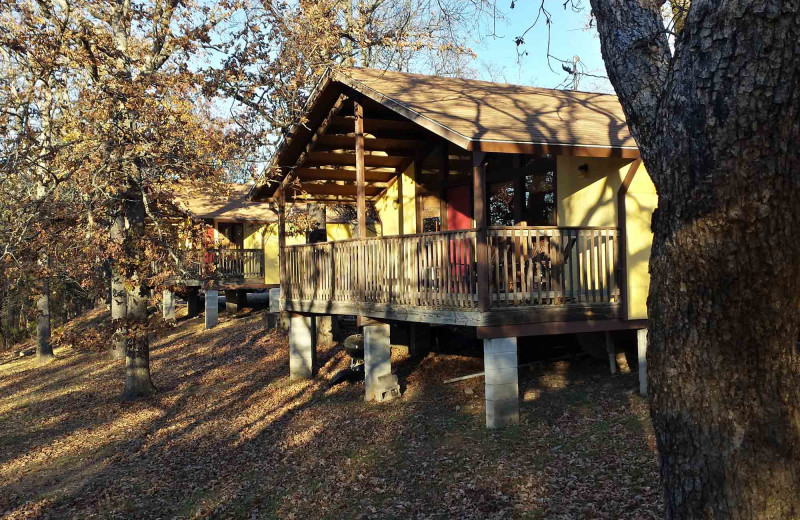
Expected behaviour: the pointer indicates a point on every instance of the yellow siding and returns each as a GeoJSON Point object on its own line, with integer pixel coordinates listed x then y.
{"type": "Point", "coordinates": [257, 235]}
{"type": "Point", "coordinates": [388, 207]}
{"type": "Point", "coordinates": [338, 231]}
{"type": "Point", "coordinates": [591, 200]}
{"type": "Point", "coordinates": [640, 203]}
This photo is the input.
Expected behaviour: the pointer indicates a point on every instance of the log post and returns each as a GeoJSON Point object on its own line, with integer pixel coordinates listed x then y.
{"type": "Point", "coordinates": [282, 243]}
{"type": "Point", "coordinates": [479, 214]}
{"type": "Point", "coordinates": [361, 204]}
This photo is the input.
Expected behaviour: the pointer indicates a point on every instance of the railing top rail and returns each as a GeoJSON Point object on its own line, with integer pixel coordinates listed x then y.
{"type": "Point", "coordinates": [385, 237]}
{"type": "Point", "coordinates": [548, 228]}
{"type": "Point", "coordinates": [218, 249]}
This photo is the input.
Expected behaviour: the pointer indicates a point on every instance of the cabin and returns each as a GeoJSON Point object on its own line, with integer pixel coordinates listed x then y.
{"type": "Point", "coordinates": [239, 253]}
{"type": "Point", "coordinates": [509, 210]}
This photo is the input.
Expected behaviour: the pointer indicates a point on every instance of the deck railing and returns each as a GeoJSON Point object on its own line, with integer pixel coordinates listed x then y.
{"type": "Point", "coordinates": [225, 263]}
{"type": "Point", "coordinates": [553, 265]}
{"type": "Point", "coordinates": [527, 266]}
{"type": "Point", "coordinates": [429, 269]}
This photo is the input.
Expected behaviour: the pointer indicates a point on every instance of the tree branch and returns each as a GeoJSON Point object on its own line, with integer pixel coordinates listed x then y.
{"type": "Point", "coordinates": [637, 56]}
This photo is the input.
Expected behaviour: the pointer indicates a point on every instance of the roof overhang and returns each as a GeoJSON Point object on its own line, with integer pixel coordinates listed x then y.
{"type": "Point", "coordinates": [297, 146]}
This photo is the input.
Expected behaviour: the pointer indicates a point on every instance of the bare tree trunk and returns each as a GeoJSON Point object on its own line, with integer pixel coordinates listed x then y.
{"type": "Point", "coordinates": [119, 296]}
{"type": "Point", "coordinates": [718, 125]}
{"type": "Point", "coordinates": [137, 348]}
{"type": "Point", "coordinates": [44, 350]}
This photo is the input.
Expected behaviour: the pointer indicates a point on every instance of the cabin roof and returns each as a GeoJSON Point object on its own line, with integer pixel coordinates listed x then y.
{"type": "Point", "coordinates": [468, 111]}
{"type": "Point", "coordinates": [232, 204]}
{"type": "Point", "coordinates": [471, 114]}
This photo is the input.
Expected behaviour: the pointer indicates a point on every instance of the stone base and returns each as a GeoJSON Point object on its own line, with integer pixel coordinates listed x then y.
{"type": "Point", "coordinates": [388, 389]}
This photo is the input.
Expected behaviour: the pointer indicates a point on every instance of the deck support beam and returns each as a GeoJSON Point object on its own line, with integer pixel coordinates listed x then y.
{"type": "Point", "coordinates": [381, 385]}
{"type": "Point", "coordinates": [501, 382]}
{"type": "Point", "coordinates": [212, 308]}
{"type": "Point", "coordinates": [641, 340]}
{"type": "Point", "coordinates": [168, 305]}
{"type": "Point", "coordinates": [302, 346]}
{"type": "Point", "coordinates": [282, 241]}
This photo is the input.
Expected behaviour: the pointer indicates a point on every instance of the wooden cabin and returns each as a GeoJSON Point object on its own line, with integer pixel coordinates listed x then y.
{"type": "Point", "coordinates": [515, 211]}
{"type": "Point", "coordinates": [240, 246]}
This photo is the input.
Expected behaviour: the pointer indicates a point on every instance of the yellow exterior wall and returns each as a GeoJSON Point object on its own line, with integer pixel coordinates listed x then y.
{"type": "Point", "coordinates": [388, 206]}
{"type": "Point", "coordinates": [258, 235]}
{"type": "Point", "coordinates": [640, 202]}
{"type": "Point", "coordinates": [591, 200]}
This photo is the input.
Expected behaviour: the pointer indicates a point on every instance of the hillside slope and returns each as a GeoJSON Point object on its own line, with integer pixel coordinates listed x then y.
{"type": "Point", "coordinates": [229, 436]}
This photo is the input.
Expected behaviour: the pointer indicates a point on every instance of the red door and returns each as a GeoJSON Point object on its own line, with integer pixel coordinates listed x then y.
{"type": "Point", "coordinates": [459, 208]}
{"type": "Point", "coordinates": [459, 216]}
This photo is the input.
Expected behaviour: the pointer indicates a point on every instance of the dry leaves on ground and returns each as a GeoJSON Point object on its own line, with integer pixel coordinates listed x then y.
{"type": "Point", "coordinates": [230, 436]}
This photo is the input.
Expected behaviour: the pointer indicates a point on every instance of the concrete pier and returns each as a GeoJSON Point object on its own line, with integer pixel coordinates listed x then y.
{"type": "Point", "coordinates": [302, 347]}
{"type": "Point", "coordinates": [212, 308]}
{"type": "Point", "coordinates": [501, 382]}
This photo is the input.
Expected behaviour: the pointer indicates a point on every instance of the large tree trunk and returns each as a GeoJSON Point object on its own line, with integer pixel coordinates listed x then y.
{"type": "Point", "coordinates": [137, 352]}
{"type": "Point", "coordinates": [719, 128]}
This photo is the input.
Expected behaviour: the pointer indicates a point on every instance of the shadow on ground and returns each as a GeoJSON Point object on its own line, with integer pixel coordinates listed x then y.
{"type": "Point", "coordinates": [229, 435]}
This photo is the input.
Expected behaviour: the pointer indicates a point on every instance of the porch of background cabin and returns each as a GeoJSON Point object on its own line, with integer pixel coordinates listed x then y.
{"type": "Point", "coordinates": [425, 265]}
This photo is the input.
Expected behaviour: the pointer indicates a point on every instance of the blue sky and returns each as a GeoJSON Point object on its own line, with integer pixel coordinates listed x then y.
{"type": "Point", "coordinates": [497, 58]}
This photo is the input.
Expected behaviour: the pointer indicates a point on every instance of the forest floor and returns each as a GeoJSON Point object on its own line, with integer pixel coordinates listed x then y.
{"type": "Point", "coordinates": [230, 436]}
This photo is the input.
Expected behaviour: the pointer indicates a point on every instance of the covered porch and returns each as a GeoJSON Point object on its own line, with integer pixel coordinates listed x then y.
{"type": "Point", "coordinates": [499, 208]}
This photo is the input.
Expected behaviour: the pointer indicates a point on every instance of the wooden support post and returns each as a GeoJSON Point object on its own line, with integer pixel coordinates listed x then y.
{"type": "Point", "coordinates": [400, 216]}
{"type": "Point", "coordinates": [479, 212]}
{"type": "Point", "coordinates": [361, 205]}
{"type": "Point", "coordinates": [519, 199]}
{"type": "Point", "coordinates": [282, 242]}
{"type": "Point", "coordinates": [444, 172]}
{"type": "Point", "coordinates": [418, 191]}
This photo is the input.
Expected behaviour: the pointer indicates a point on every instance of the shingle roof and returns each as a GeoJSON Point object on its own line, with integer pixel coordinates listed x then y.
{"type": "Point", "coordinates": [234, 205]}
{"type": "Point", "coordinates": [231, 204]}
{"type": "Point", "coordinates": [481, 111]}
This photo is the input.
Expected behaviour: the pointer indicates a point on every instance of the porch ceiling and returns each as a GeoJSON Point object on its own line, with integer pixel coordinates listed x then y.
{"type": "Point", "coordinates": [325, 171]}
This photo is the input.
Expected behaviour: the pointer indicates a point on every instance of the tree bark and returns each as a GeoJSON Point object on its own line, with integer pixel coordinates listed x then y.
{"type": "Point", "coordinates": [137, 348]}
{"type": "Point", "coordinates": [119, 296]}
{"type": "Point", "coordinates": [720, 143]}
{"type": "Point", "coordinates": [44, 350]}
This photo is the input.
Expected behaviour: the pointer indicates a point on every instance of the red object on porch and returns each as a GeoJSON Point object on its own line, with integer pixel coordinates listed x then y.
{"type": "Point", "coordinates": [208, 243]}
{"type": "Point", "coordinates": [459, 208]}
{"type": "Point", "coordinates": [459, 216]}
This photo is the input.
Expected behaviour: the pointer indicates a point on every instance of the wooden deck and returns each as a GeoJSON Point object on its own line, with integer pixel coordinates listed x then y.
{"type": "Point", "coordinates": [223, 268]}
{"type": "Point", "coordinates": [536, 275]}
